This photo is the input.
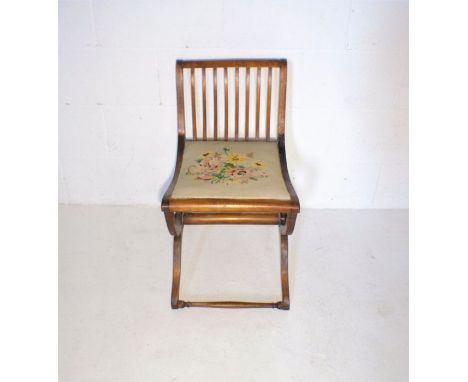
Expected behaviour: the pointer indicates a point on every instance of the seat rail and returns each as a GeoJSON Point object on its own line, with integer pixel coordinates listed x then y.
{"type": "Point", "coordinates": [246, 218]}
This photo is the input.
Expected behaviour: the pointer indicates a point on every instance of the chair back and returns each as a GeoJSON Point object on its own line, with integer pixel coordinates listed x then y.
{"type": "Point", "coordinates": [231, 99]}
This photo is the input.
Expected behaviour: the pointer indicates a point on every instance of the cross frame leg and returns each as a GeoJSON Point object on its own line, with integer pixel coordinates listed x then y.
{"type": "Point", "coordinates": [175, 225]}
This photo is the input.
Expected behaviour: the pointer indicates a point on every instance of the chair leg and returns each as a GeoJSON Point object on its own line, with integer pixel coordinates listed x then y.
{"type": "Point", "coordinates": [170, 221]}
{"type": "Point", "coordinates": [284, 304]}
{"type": "Point", "coordinates": [176, 262]}
{"type": "Point", "coordinates": [287, 223]}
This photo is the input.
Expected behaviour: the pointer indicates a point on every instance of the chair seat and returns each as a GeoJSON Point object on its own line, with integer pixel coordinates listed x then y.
{"type": "Point", "coordinates": [227, 170]}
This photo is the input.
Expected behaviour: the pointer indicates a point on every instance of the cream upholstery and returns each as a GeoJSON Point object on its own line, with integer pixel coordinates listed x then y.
{"type": "Point", "coordinates": [239, 170]}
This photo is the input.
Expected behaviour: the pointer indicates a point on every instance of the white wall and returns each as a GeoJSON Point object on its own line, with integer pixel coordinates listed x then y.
{"type": "Point", "coordinates": [347, 118]}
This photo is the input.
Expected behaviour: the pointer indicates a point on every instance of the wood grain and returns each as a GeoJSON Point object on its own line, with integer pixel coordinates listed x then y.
{"type": "Point", "coordinates": [268, 110]}
{"type": "Point", "coordinates": [257, 108]}
{"type": "Point", "coordinates": [204, 102]}
{"type": "Point", "coordinates": [247, 102]}
{"type": "Point", "coordinates": [282, 98]}
{"type": "Point", "coordinates": [215, 103]}
{"type": "Point", "coordinates": [236, 108]}
{"type": "Point", "coordinates": [236, 63]}
{"type": "Point", "coordinates": [241, 218]}
{"type": "Point", "coordinates": [194, 106]}
{"type": "Point", "coordinates": [226, 105]}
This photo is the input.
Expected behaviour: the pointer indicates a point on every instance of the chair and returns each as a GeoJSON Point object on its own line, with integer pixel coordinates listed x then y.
{"type": "Point", "coordinates": [230, 171]}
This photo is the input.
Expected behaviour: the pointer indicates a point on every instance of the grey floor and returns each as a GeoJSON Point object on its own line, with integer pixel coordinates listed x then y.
{"type": "Point", "coordinates": [349, 299]}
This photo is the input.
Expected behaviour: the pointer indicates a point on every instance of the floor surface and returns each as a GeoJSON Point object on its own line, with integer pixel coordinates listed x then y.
{"type": "Point", "coordinates": [349, 299]}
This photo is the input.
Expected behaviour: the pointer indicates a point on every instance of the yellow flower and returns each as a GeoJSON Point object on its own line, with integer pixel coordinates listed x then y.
{"type": "Point", "coordinates": [236, 158]}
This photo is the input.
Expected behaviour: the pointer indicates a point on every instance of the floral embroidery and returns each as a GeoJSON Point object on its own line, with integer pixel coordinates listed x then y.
{"type": "Point", "coordinates": [227, 167]}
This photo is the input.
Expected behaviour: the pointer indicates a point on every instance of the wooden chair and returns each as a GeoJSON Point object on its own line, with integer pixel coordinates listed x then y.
{"type": "Point", "coordinates": [231, 170]}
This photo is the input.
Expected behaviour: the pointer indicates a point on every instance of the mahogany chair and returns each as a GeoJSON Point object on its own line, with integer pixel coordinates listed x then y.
{"type": "Point", "coordinates": [231, 164]}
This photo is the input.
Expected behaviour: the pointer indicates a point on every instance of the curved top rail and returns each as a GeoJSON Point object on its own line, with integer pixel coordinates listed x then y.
{"type": "Point", "coordinates": [233, 63]}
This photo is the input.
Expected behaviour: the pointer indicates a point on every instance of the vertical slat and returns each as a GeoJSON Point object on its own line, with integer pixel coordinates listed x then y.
{"type": "Point", "coordinates": [270, 98]}
{"type": "Point", "coordinates": [282, 98]}
{"type": "Point", "coordinates": [204, 102]}
{"type": "Point", "coordinates": [257, 114]}
{"type": "Point", "coordinates": [247, 102]}
{"type": "Point", "coordinates": [215, 102]}
{"type": "Point", "coordinates": [236, 112]}
{"type": "Point", "coordinates": [226, 116]}
{"type": "Point", "coordinates": [268, 110]}
{"type": "Point", "coordinates": [194, 115]}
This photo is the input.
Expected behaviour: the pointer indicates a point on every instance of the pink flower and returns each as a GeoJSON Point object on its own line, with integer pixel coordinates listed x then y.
{"type": "Point", "coordinates": [213, 164]}
{"type": "Point", "coordinates": [239, 172]}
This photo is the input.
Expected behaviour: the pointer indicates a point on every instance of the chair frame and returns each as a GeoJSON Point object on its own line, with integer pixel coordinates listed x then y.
{"type": "Point", "coordinates": [180, 212]}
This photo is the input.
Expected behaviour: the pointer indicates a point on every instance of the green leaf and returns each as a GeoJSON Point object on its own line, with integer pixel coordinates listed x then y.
{"type": "Point", "coordinates": [218, 175]}
{"type": "Point", "coordinates": [253, 178]}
